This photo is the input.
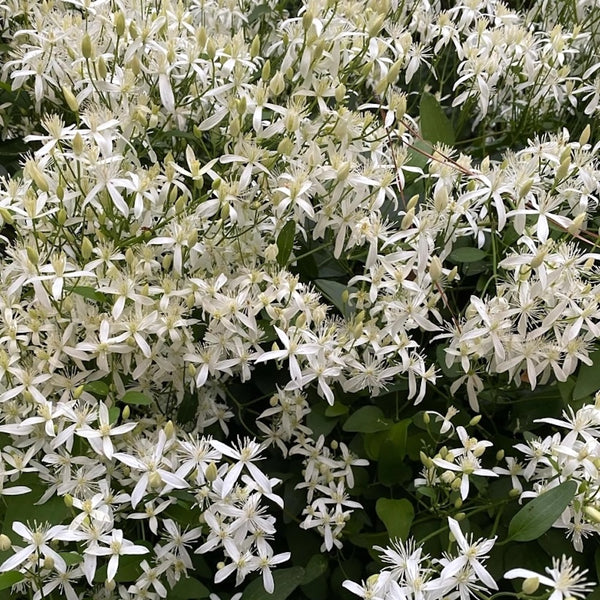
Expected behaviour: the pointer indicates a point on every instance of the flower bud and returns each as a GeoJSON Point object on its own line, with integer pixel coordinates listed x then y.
{"type": "Point", "coordinates": [86, 248]}
{"type": "Point", "coordinates": [86, 46]}
{"type": "Point", "coordinates": [169, 429]}
{"type": "Point", "coordinates": [277, 84]}
{"type": "Point", "coordinates": [435, 269]}
{"type": "Point", "coordinates": [585, 135]}
{"type": "Point", "coordinates": [70, 99]}
{"type": "Point", "coordinates": [530, 585]}
{"type": "Point", "coordinates": [499, 455]}
{"type": "Point", "coordinates": [211, 472]}
{"type": "Point", "coordinates": [120, 23]}
{"type": "Point", "coordinates": [32, 255]}
{"type": "Point", "coordinates": [32, 168]}
{"type": "Point", "coordinates": [265, 73]}
{"type": "Point", "coordinates": [475, 420]}
{"type": "Point", "coordinates": [340, 92]}
{"type": "Point", "coordinates": [5, 543]}
{"type": "Point", "coordinates": [407, 220]}
{"type": "Point", "coordinates": [575, 227]}
{"type": "Point", "coordinates": [155, 480]}
{"type": "Point", "coordinates": [126, 412]}
{"type": "Point", "coordinates": [592, 513]}
{"type": "Point", "coordinates": [255, 47]}
{"type": "Point", "coordinates": [211, 49]}
{"type": "Point", "coordinates": [48, 563]}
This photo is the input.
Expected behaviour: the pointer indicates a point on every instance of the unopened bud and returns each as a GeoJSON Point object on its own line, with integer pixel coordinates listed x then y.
{"type": "Point", "coordinates": [585, 135]}
{"type": "Point", "coordinates": [435, 269]}
{"type": "Point", "coordinates": [36, 174]}
{"type": "Point", "coordinates": [592, 513]}
{"type": "Point", "coordinates": [340, 92]}
{"type": "Point", "coordinates": [265, 73]}
{"type": "Point", "coordinates": [169, 429]}
{"type": "Point", "coordinates": [5, 543]}
{"type": "Point", "coordinates": [425, 460]}
{"type": "Point", "coordinates": [408, 218]}
{"type": "Point", "coordinates": [530, 585]}
{"type": "Point", "coordinates": [255, 47]}
{"type": "Point", "coordinates": [426, 418]}
{"type": "Point", "coordinates": [70, 99]}
{"type": "Point", "coordinates": [563, 169]}
{"type": "Point", "coordinates": [211, 472]}
{"type": "Point", "coordinates": [120, 23]}
{"type": "Point", "coordinates": [277, 84]}
{"type": "Point", "coordinates": [499, 455]}
{"type": "Point", "coordinates": [86, 248]}
{"type": "Point", "coordinates": [211, 49]}
{"type": "Point", "coordinates": [155, 480]}
{"type": "Point", "coordinates": [460, 516]}
{"type": "Point", "coordinates": [345, 296]}
{"type": "Point", "coordinates": [32, 255]}
{"type": "Point", "coordinates": [475, 420]}
{"type": "Point", "coordinates": [86, 46]}
{"type": "Point", "coordinates": [126, 412]}
{"type": "Point", "coordinates": [575, 227]}
{"type": "Point", "coordinates": [48, 563]}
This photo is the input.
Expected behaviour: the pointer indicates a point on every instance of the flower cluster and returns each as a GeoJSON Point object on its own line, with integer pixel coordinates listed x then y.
{"type": "Point", "coordinates": [228, 217]}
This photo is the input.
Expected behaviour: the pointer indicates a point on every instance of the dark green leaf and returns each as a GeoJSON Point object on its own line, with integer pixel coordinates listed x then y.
{"type": "Point", "coordinates": [188, 589]}
{"type": "Point", "coordinates": [538, 515]}
{"type": "Point", "coordinates": [334, 291]}
{"type": "Point", "coordinates": [337, 410]}
{"type": "Point", "coordinates": [286, 581]}
{"type": "Point", "coordinates": [317, 565]}
{"type": "Point", "coordinates": [257, 12]}
{"type": "Point", "coordinates": [466, 255]}
{"type": "Point", "coordinates": [367, 419]}
{"type": "Point", "coordinates": [9, 579]}
{"type": "Point", "coordinates": [397, 516]}
{"type": "Point", "coordinates": [435, 125]}
{"type": "Point", "coordinates": [71, 558]}
{"type": "Point", "coordinates": [285, 242]}
{"type": "Point", "coordinates": [132, 397]}
{"type": "Point", "coordinates": [89, 292]}
{"type": "Point", "coordinates": [588, 378]}
{"type": "Point", "coordinates": [98, 388]}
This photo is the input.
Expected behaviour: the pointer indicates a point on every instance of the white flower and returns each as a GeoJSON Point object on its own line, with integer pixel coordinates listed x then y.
{"type": "Point", "coordinates": [564, 579]}
{"type": "Point", "coordinates": [472, 555]}
{"type": "Point", "coordinates": [116, 547]}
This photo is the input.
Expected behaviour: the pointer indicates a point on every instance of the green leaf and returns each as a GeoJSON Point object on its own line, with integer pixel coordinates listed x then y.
{"type": "Point", "coordinates": [257, 12]}
{"type": "Point", "coordinates": [337, 410]}
{"type": "Point", "coordinates": [397, 516]}
{"type": "Point", "coordinates": [98, 388]}
{"type": "Point", "coordinates": [435, 125]}
{"type": "Point", "coordinates": [132, 397]}
{"type": "Point", "coordinates": [367, 419]}
{"type": "Point", "coordinates": [188, 588]}
{"type": "Point", "coordinates": [113, 414]}
{"type": "Point", "coordinates": [9, 579]}
{"type": "Point", "coordinates": [537, 516]}
{"type": "Point", "coordinates": [286, 581]}
{"type": "Point", "coordinates": [89, 292]}
{"type": "Point", "coordinates": [466, 255]}
{"type": "Point", "coordinates": [588, 378]}
{"type": "Point", "coordinates": [285, 242]}
{"type": "Point", "coordinates": [71, 558]}
{"type": "Point", "coordinates": [334, 291]}
{"type": "Point", "coordinates": [317, 565]}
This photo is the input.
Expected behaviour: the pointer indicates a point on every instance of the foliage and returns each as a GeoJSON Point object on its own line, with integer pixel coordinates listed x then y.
{"type": "Point", "coordinates": [299, 299]}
